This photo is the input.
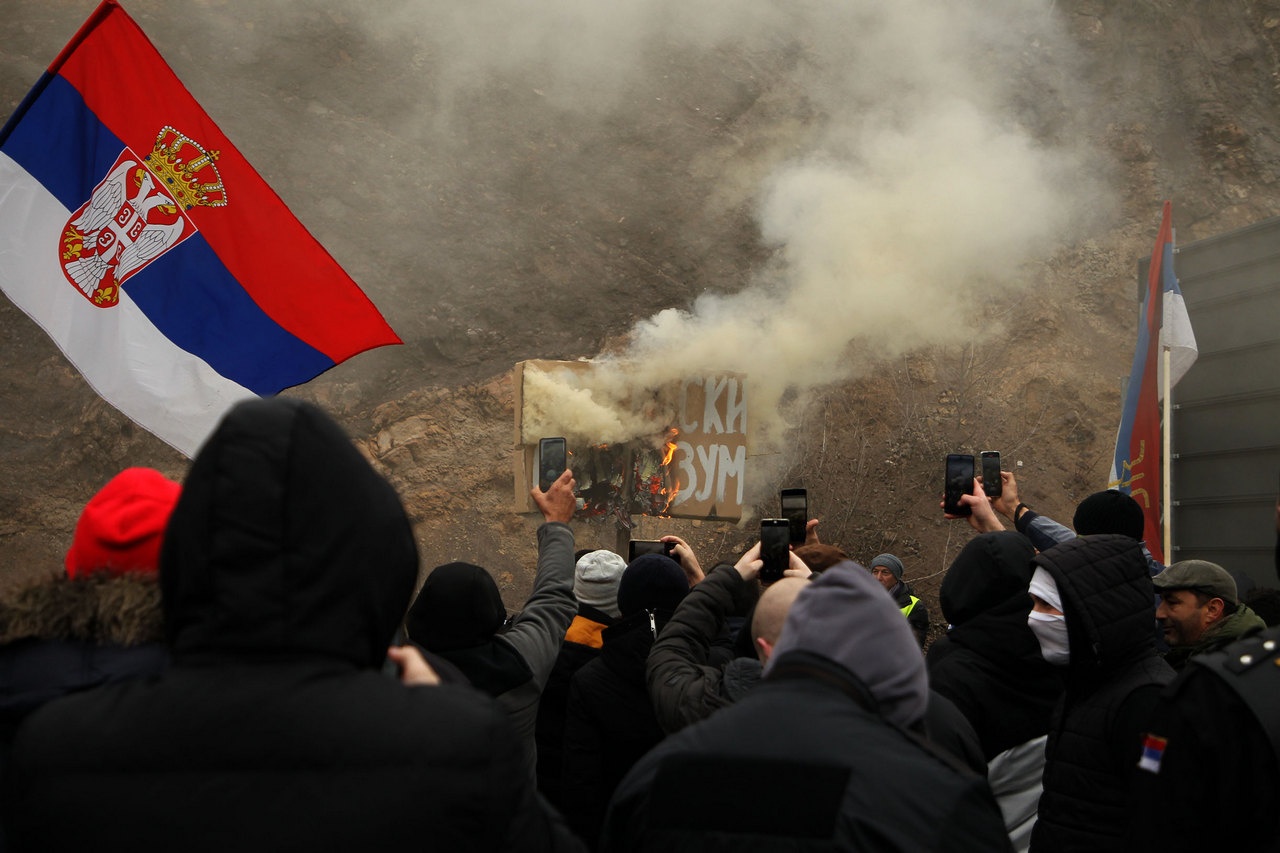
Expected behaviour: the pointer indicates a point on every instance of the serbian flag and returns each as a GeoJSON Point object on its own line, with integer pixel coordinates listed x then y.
{"type": "Point", "coordinates": [1136, 468]}
{"type": "Point", "coordinates": [167, 271]}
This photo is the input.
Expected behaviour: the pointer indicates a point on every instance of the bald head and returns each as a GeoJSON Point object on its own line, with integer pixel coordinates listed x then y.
{"type": "Point", "coordinates": [771, 612]}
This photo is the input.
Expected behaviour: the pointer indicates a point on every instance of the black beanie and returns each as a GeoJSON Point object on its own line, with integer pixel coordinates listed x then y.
{"type": "Point", "coordinates": [651, 582]}
{"type": "Point", "coordinates": [1109, 511]}
{"type": "Point", "coordinates": [458, 607]}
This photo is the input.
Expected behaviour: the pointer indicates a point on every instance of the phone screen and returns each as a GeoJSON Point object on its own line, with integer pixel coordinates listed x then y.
{"type": "Point", "coordinates": [775, 548]}
{"type": "Point", "coordinates": [795, 509]}
{"type": "Point", "coordinates": [991, 484]}
{"type": "Point", "coordinates": [639, 547]}
{"type": "Point", "coordinates": [959, 481]}
{"type": "Point", "coordinates": [552, 460]}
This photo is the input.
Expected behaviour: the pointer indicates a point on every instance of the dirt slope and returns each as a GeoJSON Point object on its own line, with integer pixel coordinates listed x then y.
{"type": "Point", "coordinates": [559, 252]}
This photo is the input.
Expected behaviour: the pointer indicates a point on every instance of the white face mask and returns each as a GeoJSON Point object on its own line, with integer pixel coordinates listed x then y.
{"type": "Point", "coordinates": [1051, 630]}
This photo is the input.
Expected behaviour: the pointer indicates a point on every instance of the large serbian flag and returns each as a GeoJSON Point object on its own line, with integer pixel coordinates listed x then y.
{"type": "Point", "coordinates": [1136, 468]}
{"type": "Point", "coordinates": [164, 267]}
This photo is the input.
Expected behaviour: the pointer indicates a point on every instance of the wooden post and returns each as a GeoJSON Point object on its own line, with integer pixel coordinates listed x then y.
{"type": "Point", "coordinates": [624, 523]}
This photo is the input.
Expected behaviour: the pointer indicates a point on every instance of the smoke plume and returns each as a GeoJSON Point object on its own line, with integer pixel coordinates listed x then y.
{"type": "Point", "coordinates": [930, 174]}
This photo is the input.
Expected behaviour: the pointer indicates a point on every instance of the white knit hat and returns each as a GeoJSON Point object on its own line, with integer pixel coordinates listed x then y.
{"type": "Point", "coordinates": [595, 580]}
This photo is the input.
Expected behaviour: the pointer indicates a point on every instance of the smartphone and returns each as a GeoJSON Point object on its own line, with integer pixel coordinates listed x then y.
{"type": "Point", "coordinates": [639, 547]}
{"type": "Point", "coordinates": [959, 481]}
{"type": "Point", "coordinates": [552, 460]}
{"type": "Point", "coordinates": [991, 484]}
{"type": "Point", "coordinates": [775, 548]}
{"type": "Point", "coordinates": [795, 509]}
{"type": "Point", "coordinates": [390, 668]}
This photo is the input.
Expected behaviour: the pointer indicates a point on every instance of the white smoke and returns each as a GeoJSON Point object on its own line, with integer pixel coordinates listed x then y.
{"type": "Point", "coordinates": [586, 408]}
{"type": "Point", "coordinates": [918, 193]}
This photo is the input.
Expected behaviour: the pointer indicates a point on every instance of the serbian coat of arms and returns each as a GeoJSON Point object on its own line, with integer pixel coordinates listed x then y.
{"type": "Point", "coordinates": [137, 213]}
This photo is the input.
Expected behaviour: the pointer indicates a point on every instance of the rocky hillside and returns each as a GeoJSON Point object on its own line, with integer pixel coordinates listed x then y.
{"type": "Point", "coordinates": [494, 216]}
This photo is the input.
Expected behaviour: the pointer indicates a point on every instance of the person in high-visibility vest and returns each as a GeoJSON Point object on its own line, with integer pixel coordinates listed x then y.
{"type": "Point", "coordinates": [888, 570]}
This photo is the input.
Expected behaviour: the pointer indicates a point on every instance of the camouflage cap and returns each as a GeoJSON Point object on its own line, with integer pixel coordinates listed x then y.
{"type": "Point", "coordinates": [1200, 576]}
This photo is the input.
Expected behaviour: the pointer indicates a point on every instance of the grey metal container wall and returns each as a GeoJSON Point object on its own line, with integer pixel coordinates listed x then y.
{"type": "Point", "coordinates": [1225, 470]}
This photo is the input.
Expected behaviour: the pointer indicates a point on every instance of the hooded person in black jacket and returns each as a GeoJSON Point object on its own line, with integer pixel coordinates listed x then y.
{"type": "Point", "coordinates": [286, 567]}
{"type": "Point", "coordinates": [460, 616]}
{"type": "Point", "coordinates": [989, 664]}
{"type": "Point", "coordinates": [610, 721]}
{"type": "Point", "coordinates": [1092, 617]}
{"type": "Point", "coordinates": [826, 753]}
{"type": "Point", "coordinates": [689, 677]}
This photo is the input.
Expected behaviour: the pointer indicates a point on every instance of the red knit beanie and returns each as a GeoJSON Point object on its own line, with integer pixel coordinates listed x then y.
{"type": "Point", "coordinates": [121, 526]}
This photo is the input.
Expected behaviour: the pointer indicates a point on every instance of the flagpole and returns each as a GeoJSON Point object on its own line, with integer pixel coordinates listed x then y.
{"type": "Point", "coordinates": [1166, 455]}
{"type": "Point", "coordinates": [1166, 422]}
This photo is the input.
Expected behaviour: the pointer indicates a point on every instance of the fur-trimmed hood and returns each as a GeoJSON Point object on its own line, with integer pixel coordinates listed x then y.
{"type": "Point", "coordinates": [100, 609]}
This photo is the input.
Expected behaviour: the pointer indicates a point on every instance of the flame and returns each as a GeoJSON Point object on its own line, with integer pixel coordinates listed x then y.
{"type": "Point", "coordinates": [673, 482]}
{"type": "Point", "coordinates": [670, 450]}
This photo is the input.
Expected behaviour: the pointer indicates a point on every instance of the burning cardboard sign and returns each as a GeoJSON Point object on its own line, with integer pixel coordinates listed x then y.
{"type": "Point", "coordinates": [676, 450]}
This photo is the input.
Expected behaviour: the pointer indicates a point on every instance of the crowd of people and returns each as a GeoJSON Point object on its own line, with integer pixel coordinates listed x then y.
{"type": "Point", "coordinates": [241, 661]}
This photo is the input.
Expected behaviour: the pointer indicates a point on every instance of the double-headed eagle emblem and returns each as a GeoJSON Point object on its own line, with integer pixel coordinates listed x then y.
{"type": "Point", "coordinates": [137, 213]}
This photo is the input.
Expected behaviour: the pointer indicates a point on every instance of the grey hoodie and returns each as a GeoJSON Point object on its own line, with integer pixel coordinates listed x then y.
{"type": "Point", "coordinates": [847, 617]}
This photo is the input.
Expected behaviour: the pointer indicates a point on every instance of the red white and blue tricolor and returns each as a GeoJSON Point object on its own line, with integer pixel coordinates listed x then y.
{"type": "Point", "coordinates": [168, 272]}
{"type": "Point", "coordinates": [1136, 468]}
{"type": "Point", "coordinates": [1152, 753]}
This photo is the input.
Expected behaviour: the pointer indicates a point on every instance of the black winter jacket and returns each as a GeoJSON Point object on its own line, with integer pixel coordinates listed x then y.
{"type": "Point", "coordinates": [62, 635]}
{"type": "Point", "coordinates": [461, 621]}
{"type": "Point", "coordinates": [553, 704]}
{"type": "Point", "coordinates": [1213, 754]}
{"type": "Point", "coordinates": [688, 672]}
{"type": "Point", "coordinates": [800, 764]}
{"type": "Point", "coordinates": [989, 663]}
{"type": "Point", "coordinates": [1113, 682]}
{"type": "Point", "coordinates": [689, 676]}
{"type": "Point", "coordinates": [286, 567]}
{"type": "Point", "coordinates": [609, 724]}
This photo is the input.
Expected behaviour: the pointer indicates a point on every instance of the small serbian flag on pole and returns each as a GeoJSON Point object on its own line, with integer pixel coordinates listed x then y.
{"type": "Point", "coordinates": [1137, 468]}
{"type": "Point", "coordinates": [168, 272]}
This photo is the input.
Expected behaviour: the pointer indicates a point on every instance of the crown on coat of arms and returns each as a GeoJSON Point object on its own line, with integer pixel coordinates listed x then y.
{"type": "Point", "coordinates": [186, 170]}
